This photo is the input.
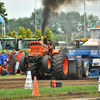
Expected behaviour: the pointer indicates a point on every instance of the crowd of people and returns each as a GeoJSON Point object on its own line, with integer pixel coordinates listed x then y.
{"type": "Point", "coordinates": [9, 62]}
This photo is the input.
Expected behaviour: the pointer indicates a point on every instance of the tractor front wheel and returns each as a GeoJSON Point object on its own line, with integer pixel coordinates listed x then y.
{"type": "Point", "coordinates": [33, 68]}
{"type": "Point", "coordinates": [23, 63]}
{"type": "Point", "coordinates": [46, 63]}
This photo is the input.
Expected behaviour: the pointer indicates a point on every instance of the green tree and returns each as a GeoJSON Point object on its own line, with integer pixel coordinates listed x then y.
{"type": "Point", "coordinates": [77, 36]}
{"type": "Point", "coordinates": [21, 32]}
{"type": "Point", "coordinates": [32, 20]}
{"type": "Point", "coordinates": [58, 23]}
{"type": "Point", "coordinates": [93, 20]}
{"type": "Point", "coordinates": [13, 24]}
{"type": "Point", "coordinates": [81, 35]}
{"type": "Point", "coordinates": [0, 35]}
{"type": "Point", "coordinates": [28, 33]}
{"type": "Point", "coordinates": [72, 21]}
{"type": "Point", "coordinates": [60, 37]}
{"type": "Point", "coordinates": [82, 22]}
{"type": "Point", "coordinates": [48, 33]}
{"type": "Point", "coordinates": [38, 33]}
{"type": "Point", "coordinates": [3, 11]}
{"type": "Point", "coordinates": [14, 33]}
{"type": "Point", "coordinates": [88, 36]}
{"type": "Point", "coordinates": [9, 34]}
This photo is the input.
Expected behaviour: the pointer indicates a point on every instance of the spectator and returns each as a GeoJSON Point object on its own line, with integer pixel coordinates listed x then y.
{"type": "Point", "coordinates": [12, 59]}
{"type": "Point", "coordinates": [4, 69]}
{"type": "Point", "coordinates": [17, 63]}
{"type": "Point", "coordinates": [4, 56]}
{"type": "Point", "coordinates": [1, 58]}
{"type": "Point", "coordinates": [1, 61]}
{"type": "Point", "coordinates": [23, 53]}
{"type": "Point", "coordinates": [7, 60]}
{"type": "Point", "coordinates": [27, 52]}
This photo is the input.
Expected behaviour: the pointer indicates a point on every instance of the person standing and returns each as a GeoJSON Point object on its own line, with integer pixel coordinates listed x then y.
{"type": "Point", "coordinates": [1, 58]}
{"type": "Point", "coordinates": [4, 56]}
{"type": "Point", "coordinates": [12, 59]}
{"type": "Point", "coordinates": [7, 60]}
{"type": "Point", "coordinates": [17, 63]}
{"type": "Point", "coordinates": [1, 61]}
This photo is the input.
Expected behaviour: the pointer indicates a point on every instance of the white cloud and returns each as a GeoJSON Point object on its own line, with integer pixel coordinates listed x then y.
{"type": "Point", "coordinates": [24, 8]}
{"type": "Point", "coordinates": [91, 7]}
{"type": "Point", "coordinates": [20, 8]}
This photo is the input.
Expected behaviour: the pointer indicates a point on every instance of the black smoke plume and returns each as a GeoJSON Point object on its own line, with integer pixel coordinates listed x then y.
{"type": "Point", "coordinates": [50, 6]}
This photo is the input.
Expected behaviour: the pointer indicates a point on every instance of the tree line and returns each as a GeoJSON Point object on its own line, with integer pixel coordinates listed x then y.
{"type": "Point", "coordinates": [58, 23]}
{"type": "Point", "coordinates": [28, 33]}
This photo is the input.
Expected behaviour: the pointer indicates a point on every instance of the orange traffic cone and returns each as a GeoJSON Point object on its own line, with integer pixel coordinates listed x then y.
{"type": "Point", "coordinates": [35, 87]}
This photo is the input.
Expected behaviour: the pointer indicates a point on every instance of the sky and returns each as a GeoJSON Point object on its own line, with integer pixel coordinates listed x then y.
{"type": "Point", "coordinates": [20, 8]}
{"type": "Point", "coordinates": [24, 8]}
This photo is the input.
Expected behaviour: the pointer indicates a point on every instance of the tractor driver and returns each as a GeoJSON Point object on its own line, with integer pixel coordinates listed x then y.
{"type": "Point", "coordinates": [45, 40]}
{"type": "Point", "coordinates": [50, 51]}
{"type": "Point", "coordinates": [48, 44]}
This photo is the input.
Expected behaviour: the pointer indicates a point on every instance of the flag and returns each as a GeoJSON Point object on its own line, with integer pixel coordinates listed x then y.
{"type": "Point", "coordinates": [2, 20]}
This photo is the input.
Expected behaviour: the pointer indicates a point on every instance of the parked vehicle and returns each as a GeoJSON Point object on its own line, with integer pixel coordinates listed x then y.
{"type": "Point", "coordinates": [88, 56]}
{"type": "Point", "coordinates": [15, 43]}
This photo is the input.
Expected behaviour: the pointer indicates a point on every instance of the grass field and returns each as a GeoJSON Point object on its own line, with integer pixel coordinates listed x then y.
{"type": "Point", "coordinates": [48, 91]}
{"type": "Point", "coordinates": [13, 76]}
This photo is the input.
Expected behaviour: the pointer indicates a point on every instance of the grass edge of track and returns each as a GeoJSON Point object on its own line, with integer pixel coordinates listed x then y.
{"type": "Point", "coordinates": [50, 92]}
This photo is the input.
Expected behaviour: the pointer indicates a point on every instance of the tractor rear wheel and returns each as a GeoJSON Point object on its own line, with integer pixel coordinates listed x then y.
{"type": "Point", "coordinates": [33, 68]}
{"type": "Point", "coordinates": [60, 65]}
{"type": "Point", "coordinates": [23, 63]}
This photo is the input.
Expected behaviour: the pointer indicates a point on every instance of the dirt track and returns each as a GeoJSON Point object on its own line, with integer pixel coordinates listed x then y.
{"type": "Point", "coordinates": [6, 83]}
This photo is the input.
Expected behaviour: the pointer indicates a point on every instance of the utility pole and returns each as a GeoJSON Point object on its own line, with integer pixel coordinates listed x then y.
{"type": "Point", "coordinates": [67, 29]}
{"type": "Point", "coordinates": [35, 15]}
{"type": "Point", "coordinates": [4, 30]}
{"type": "Point", "coordinates": [84, 22]}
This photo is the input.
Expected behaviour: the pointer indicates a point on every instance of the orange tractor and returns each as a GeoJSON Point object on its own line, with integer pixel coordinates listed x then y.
{"type": "Point", "coordinates": [44, 59]}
